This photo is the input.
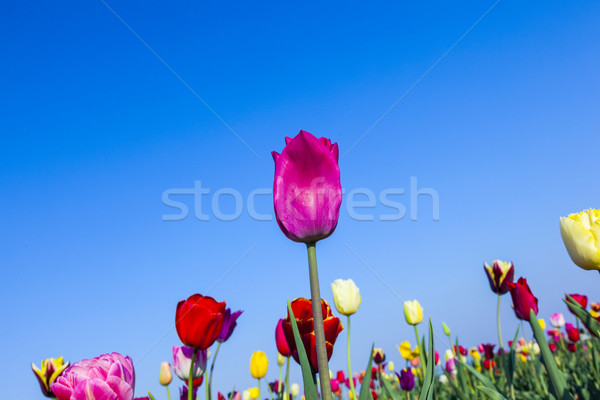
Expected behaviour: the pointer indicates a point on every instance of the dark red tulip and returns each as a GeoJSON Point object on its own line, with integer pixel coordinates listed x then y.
{"type": "Point", "coordinates": [581, 299]}
{"type": "Point", "coordinates": [280, 340]}
{"type": "Point", "coordinates": [199, 321]}
{"type": "Point", "coordinates": [571, 347]}
{"type": "Point", "coordinates": [499, 274]}
{"type": "Point", "coordinates": [302, 309]}
{"type": "Point", "coordinates": [488, 350]}
{"type": "Point", "coordinates": [460, 350]}
{"type": "Point", "coordinates": [523, 299]}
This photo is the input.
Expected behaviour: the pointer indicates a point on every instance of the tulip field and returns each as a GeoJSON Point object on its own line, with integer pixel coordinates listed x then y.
{"type": "Point", "coordinates": [557, 358]}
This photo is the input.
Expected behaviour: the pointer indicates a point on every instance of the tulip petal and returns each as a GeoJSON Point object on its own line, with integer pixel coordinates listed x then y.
{"type": "Point", "coordinates": [582, 239]}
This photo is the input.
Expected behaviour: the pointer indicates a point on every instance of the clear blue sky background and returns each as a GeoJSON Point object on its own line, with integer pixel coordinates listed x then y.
{"type": "Point", "coordinates": [95, 128]}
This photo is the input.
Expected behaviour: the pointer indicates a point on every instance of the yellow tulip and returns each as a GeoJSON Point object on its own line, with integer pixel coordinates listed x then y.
{"type": "Point", "coordinates": [258, 364]}
{"type": "Point", "coordinates": [581, 236]}
{"type": "Point", "coordinates": [391, 366]}
{"type": "Point", "coordinates": [594, 313]}
{"type": "Point", "coordinates": [165, 377]}
{"type": "Point", "coordinates": [280, 359]}
{"type": "Point", "coordinates": [294, 389]}
{"type": "Point", "coordinates": [474, 353]}
{"type": "Point", "coordinates": [413, 312]}
{"type": "Point", "coordinates": [542, 323]}
{"type": "Point", "coordinates": [406, 352]}
{"type": "Point", "coordinates": [346, 296]}
{"type": "Point", "coordinates": [51, 369]}
{"type": "Point", "coordinates": [254, 393]}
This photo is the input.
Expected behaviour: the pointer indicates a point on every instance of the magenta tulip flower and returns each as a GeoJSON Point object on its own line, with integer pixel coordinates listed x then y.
{"type": "Point", "coordinates": [280, 341]}
{"type": "Point", "coordinates": [109, 376]}
{"type": "Point", "coordinates": [229, 324]}
{"type": "Point", "coordinates": [307, 192]}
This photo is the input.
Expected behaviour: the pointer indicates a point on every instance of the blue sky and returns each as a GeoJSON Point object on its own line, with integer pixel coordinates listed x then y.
{"type": "Point", "coordinates": [95, 128]}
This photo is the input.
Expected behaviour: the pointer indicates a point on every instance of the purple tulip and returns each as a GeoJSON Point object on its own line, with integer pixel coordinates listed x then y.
{"type": "Point", "coordinates": [407, 379]}
{"type": "Point", "coordinates": [229, 324]}
{"type": "Point", "coordinates": [182, 358]}
{"type": "Point", "coordinates": [307, 192]}
{"type": "Point", "coordinates": [109, 376]}
{"type": "Point", "coordinates": [183, 393]}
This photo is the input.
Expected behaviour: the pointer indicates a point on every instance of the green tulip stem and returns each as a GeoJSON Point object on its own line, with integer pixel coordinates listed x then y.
{"type": "Point", "coordinates": [259, 398]}
{"type": "Point", "coordinates": [318, 323]}
{"type": "Point", "coordinates": [498, 320]}
{"type": "Point", "coordinates": [421, 353]}
{"type": "Point", "coordinates": [207, 389]}
{"type": "Point", "coordinates": [287, 378]}
{"type": "Point", "coordinates": [279, 380]}
{"type": "Point", "coordinates": [168, 394]}
{"type": "Point", "coordinates": [212, 367]}
{"type": "Point", "coordinates": [270, 391]}
{"type": "Point", "coordinates": [349, 364]}
{"type": "Point", "coordinates": [191, 377]}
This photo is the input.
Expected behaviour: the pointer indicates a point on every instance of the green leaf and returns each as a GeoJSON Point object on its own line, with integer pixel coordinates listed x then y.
{"type": "Point", "coordinates": [485, 380]}
{"type": "Point", "coordinates": [583, 315]}
{"type": "Point", "coordinates": [365, 393]}
{"type": "Point", "coordinates": [428, 382]}
{"type": "Point", "coordinates": [310, 392]}
{"type": "Point", "coordinates": [491, 393]}
{"type": "Point", "coordinates": [151, 397]}
{"type": "Point", "coordinates": [391, 391]}
{"type": "Point", "coordinates": [460, 372]}
{"type": "Point", "coordinates": [557, 379]}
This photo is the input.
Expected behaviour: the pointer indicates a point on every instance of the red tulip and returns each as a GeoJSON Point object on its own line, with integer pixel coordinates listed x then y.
{"type": "Point", "coordinates": [572, 332]}
{"type": "Point", "coordinates": [302, 309]}
{"type": "Point", "coordinates": [280, 341]}
{"type": "Point", "coordinates": [340, 376]}
{"type": "Point", "coordinates": [571, 347]}
{"type": "Point", "coordinates": [523, 299]}
{"type": "Point", "coordinates": [199, 321]}
{"type": "Point", "coordinates": [307, 192]}
{"type": "Point", "coordinates": [489, 364]}
{"type": "Point", "coordinates": [552, 347]}
{"type": "Point", "coordinates": [488, 350]}
{"type": "Point", "coordinates": [581, 299]}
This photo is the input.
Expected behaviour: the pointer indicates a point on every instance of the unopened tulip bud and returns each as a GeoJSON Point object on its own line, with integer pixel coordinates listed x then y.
{"type": "Point", "coordinates": [280, 359]}
{"type": "Point", "coordinates": [258, 365]}
{"type": "Point", "coordinates": [165, 377]}
{"type": "Point", "coordinates": [246, 395]}
{"type": "Point", "coordinates": [295, 389]}
{"type": "Point", "coordinates": [391, 366]}
{"type": "Point", "coordinates": [413, 312]}
{"type": "Point", "coordinates": [346, 296]}
{"type": "Point", "coordinates": [446, 329]}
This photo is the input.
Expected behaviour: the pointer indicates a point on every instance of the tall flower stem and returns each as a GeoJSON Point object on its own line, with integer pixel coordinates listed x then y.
{"type": "Point", "coordinates": [279, 380]}
{"type": "Point", "coordinates": [168, 394]}
{"type": "Point", "coordinates": [287, 378]}
{"type": "Point", "coordinates": [349, 364]}
{"type": "Point", "coordinates": [191, 377]}
{"type": "Point", "coordinates": [258, 389]}
{"type": "Point", "coordinates": [498, 321]}
{"type": "Point", "coordinates": [212, 367]}
{"type": "Point", "coordinates": [421, 354]}
{"type": "Point", "coordinates": [318, 322]}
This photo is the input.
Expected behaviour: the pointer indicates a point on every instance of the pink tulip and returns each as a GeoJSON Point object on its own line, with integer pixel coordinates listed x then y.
{"type": "Point", "coordinates": [307, 192]}
{"type": "Point", "coordinates": [109, 376]}
{"type": "Point", "coordinates": [182, 360]}
{"type": "Point", "coordinates": [280, 341]}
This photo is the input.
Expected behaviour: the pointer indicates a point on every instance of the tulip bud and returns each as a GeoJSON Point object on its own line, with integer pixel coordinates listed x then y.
{"type": "Point", "coordinates": [523, 299]}
{"type": "Point", "coordinates": [295, 389]}
{"type": "Point", "coordinates": [246, 395]}
{"type": "Point", "coordinates": [254, 393]}
{"type": "Point", "coordinates": [499, 274]}
{"type": "Point", "coordinates": [391, 366]}
{"type": "Point", "coordinates": [346, 296]}
{"type": "Point", "coordinates": [280, 359]}
{"type": "Point", "coordinates": [413, 312]}
{"type": "Point", "coordinates": [557, 320]}
{"type": "Point", "coordinates": [581, 233]}
{"type": "Point", "coordinates": [51, 369]}
{"type": "Point", "coordinates": [378, 356]}
{"type": "Point", "coordinates": [446, 329]}
{"type": "Point", "coordinates": [258, 364]}
{"type": "Point", "coordinates": [165, 377]}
